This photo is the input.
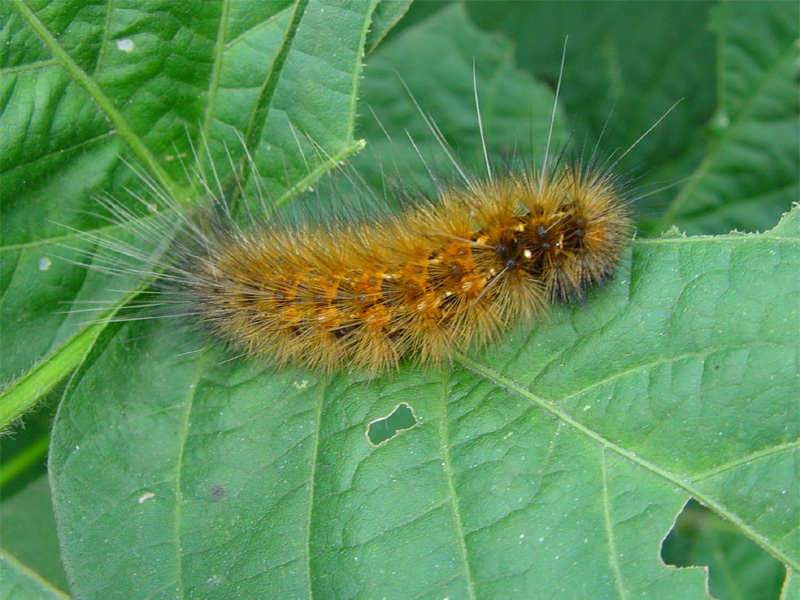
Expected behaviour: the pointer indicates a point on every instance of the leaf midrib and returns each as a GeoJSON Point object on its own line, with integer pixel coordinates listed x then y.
{"type": "Point", "coordinates": [184, 435]}
{"type": "Point", "coordinates": [452, 494]}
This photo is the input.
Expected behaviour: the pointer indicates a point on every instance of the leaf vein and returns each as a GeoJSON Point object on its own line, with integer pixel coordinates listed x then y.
{"type": "Point", "coordinates": [311, 487]}
{"type": "Point", "coordinates": [613, 557]}
{"type": "Point", "coordinates": [91, 87]}
{"type": "Point", "coordinates": [452, 493]}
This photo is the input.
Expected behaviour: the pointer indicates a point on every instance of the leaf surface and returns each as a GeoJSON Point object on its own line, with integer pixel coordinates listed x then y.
{"type": "Point", "coordinates": [571, 446]}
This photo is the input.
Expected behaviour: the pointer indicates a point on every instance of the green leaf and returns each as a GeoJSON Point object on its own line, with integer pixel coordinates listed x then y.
{"type": "Point", "coordinates": [573, 444]}
{"type": "Point", "coordinates": [20, 583]}
{"type": "Point", "coordinates": [750, 173]}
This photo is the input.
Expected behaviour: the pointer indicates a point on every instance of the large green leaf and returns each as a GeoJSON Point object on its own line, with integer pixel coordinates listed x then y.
{"type": "Point", "coordinates": [569, 447]}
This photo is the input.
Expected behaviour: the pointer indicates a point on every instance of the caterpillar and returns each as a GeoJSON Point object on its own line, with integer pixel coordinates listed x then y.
{"type": "Point", "coordinates": [430, 280]}
{"type": "Point", "coordinates": [442, 274]}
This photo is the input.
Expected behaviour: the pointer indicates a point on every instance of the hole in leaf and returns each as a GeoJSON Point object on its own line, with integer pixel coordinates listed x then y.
{"type": "Point", "coordinates": [382, 430]}
{"type": "Point", "coordinates": [737, 566]}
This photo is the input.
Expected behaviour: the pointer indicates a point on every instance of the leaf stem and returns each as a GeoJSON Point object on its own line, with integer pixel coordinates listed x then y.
{"type": "Point", "coordinates": [23, 395]}
{"type": "Point", "coordinates": [25, 459]}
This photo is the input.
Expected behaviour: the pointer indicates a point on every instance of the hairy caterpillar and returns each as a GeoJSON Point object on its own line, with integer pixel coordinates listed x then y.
{"type": "Point", "coordinates": [432, 279]}
{"type": "Point", "coordinates": [425, 282]}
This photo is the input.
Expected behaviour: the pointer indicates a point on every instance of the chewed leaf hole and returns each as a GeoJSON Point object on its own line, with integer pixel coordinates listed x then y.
{"type": "Point", "coordinates": [384, 429]}
{"type": "Point", "coordinates": [737, 566]}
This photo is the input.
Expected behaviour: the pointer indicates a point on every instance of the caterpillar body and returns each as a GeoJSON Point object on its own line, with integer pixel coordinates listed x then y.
{"type": "Point", "coordinates": [425, 282]}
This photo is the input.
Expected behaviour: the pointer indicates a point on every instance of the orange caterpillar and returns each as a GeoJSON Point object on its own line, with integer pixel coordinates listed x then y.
{"type": "Point", "coordinates": [425, 282]}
